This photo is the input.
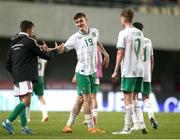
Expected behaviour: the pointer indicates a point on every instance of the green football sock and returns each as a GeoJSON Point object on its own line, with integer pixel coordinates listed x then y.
{"type": "Point", "coordinates": [23, 119]}
{"type": "Point", "coordinates": [18, 109]}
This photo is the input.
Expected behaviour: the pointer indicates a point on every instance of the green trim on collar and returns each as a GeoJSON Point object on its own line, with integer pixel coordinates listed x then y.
{"type": "Point", "coordinates": [85, 33]}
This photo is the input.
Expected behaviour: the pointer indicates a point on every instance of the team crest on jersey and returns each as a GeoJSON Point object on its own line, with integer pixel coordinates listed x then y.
{"type": "Point", "coordinates": [79, 37]}
{"type": "Point", "coordinates": [94, 34]}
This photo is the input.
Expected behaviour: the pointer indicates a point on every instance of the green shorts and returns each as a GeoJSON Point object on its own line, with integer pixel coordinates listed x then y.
{"type": "Point", "coordinates": [132, 84]}
{"type": "Point", "coordinates": [146, 88]}
{"type": "Point", "coordinates": [86, 84]}
{"type": "Point", "coordinates": [38, 87]}
{"type": "Point", "coordinates": [97, 86]}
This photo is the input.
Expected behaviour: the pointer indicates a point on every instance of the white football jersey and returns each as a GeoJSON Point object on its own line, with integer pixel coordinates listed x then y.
{"type": "Point", "coordinates": [131, 39]}
{"type": "Point", "coordinates": [86, 50]}
{"type": "Point", "coordinates": [41, 66]}
{"type": "Point", "coordinates": [148, 53]}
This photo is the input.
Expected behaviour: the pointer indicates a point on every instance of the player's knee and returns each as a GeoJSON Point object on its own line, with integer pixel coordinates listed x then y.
{"type": "Point", "coordinates": [27, 99]}
{"type": "Point", "coordinates": [27, 103]}
{"type": "Point", "coordinates": [41, 98]}
{"type": "Point", "coordinates": [87, 99]}
{"type": "Point", "coordinates": [81, 101]}
{"type": "Point", "coordinates": [145, 97]}
{"type": "Point", "coordinates": [93, 96]}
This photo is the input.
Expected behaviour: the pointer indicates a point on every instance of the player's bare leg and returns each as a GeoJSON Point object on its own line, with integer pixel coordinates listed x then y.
{"type": "Point", "coordinates": [87, 110]}
{"type": "Point", "coordinates": [93, 109]}
{"type": "Point", "coordinates": [88, 115]}
{"type": "Point", "coordinates": [72, 117]}
{"type": "Point", "coordinates": [94, 106]}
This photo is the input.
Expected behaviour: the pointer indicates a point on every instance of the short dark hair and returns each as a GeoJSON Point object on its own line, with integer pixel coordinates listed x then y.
{"type": "Point", "coordinates": [128, 14]}
{"type": "Point", "coordinates": [138, 25]}
{"type": "Point", "coordinates": [79, 15]}
{"type": "Point", "coordinates": [25, 24]}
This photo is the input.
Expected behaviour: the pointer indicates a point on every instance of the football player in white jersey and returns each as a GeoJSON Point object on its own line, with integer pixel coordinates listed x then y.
{"type": "Point", "coordinates": [99, 75]}
{"type": "Point", "coordinates": [148, 68]}
{"type": "Point", "coordinates": [85, 43]}
{"type": "Point", "coordinates": [130, 59]}
{"type": "Point", "coordinates": [38, 89]}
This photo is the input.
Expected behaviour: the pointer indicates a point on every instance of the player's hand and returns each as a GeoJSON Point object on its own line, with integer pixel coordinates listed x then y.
{"type": "Point", "coordinates": [74, 81]}
{"type": "Point", "coordinates": [56, 45]}
{"type": "Point", "coordinates": [114, 76]}
{"type": "Point", "coordinates": [59, 47]}
{"type": "Point", "coordinates": [106, 60]}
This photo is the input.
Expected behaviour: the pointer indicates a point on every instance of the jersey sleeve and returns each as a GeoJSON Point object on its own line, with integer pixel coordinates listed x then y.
{"type": "Point", "coordinates": [8, 62]}
{"type": "Point", "coordinates": [97, 35]}
{"type": "Point", "coordinates": [121, 41]}
{"type": "Point", "coordinates": [70, 43]}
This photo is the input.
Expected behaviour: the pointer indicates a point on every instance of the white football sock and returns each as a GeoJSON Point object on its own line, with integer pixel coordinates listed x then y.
{"type": "Point", "coordinates": [95, 114]}
{"type": "Point", "coordinates": [71, 120]}
{"type": "Point", "coordinates": [89, 121]}
{"type": "Point", "coordinates": [135, 116]}
{"type": "Point", "coordinates": [139, 113]}
{"type": "Point", "coordinates": [44, 110]}
{"type": "Point", "coordinates": [148, 105]}
{"type": "Point", "coordinates": [128, 116]}
{"type": "Point", "coordinates": [28, 112]}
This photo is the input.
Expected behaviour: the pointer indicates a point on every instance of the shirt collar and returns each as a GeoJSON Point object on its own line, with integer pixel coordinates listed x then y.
{"type": "Point", "coordinates": [23, 33]}
{"type": "Point", "coordinates": [84, 33]}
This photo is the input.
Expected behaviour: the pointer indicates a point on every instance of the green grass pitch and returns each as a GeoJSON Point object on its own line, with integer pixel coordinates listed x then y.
{"type": "Point", "coordinates": [169, 127]}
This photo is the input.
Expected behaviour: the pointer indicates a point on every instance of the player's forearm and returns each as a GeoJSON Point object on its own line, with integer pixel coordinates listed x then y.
{"type": "Point", "coordinates": [51, 49]}
{"type": "Point", "coordinates": [152, 64]}
{"type": "Point", "coordinates": [117, 66]}
{"type": "Point", "coordinates": [59, 48]}
{"type": "Point", "coordinates": [119, 57]}
{"type": "Point", "coordinates": [103, 51]}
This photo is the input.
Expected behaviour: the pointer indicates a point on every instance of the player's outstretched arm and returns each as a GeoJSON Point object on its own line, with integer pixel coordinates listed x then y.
{"type": "Point", "coordinates": [44, 47]}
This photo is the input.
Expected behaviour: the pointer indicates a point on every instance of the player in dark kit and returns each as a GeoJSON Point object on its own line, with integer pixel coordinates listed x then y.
{"type": "Point", "coordinates": [22, 65]}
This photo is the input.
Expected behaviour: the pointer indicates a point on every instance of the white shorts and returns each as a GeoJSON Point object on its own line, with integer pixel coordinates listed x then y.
{"type": "Point", "coordinates": [22, 88]}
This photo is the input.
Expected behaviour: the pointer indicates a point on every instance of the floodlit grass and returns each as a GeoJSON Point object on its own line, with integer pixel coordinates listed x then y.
{"type": "Point", "coordinates": [169, 127]}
